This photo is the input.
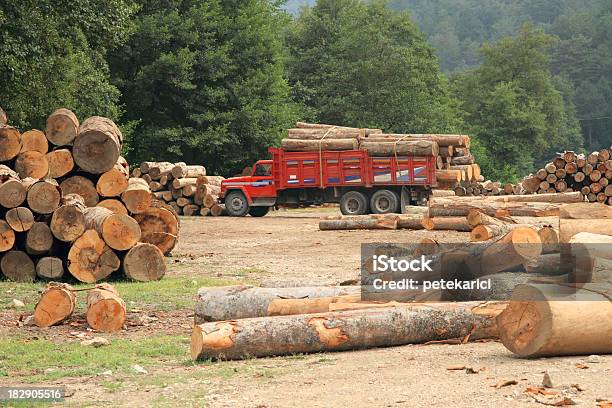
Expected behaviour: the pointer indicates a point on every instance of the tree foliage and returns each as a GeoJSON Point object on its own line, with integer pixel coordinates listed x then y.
{"type": "Point", "coordinates": [204, 80]}
{"type": "Point", "coordinates": [53, 54]}
{"type": "Point", "coordinates": [362, 64]}
{"type": "Point", "coordinates": [516, 113]}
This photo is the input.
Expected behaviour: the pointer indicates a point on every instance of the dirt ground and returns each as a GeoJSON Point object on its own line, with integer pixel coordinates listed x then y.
{"type": "Point", "coordinates": [287, 245]}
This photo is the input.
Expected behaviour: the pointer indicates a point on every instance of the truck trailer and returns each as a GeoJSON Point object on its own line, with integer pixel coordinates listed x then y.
{"type": "Point", "coordinates": [360, 183]}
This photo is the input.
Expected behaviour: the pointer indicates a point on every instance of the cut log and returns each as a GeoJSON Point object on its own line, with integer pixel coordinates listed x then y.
{"type": "Point", "coordinates": [476, 217]}
{"type": "Point", "coordinates": [493, 209]}
{"type": "Point", "coordinates": [137, 196]}
{"type": "Point", "coordinates": [158, 170]}
{"type": "Point", "coordinates": [189, 191]}
{"type": "Point", "coordinates": [60, 162]}
{"type": "Point", "coordinates": [39, 239]}
{"type": "Point", "coordinates": [467, 170]}
{"type": "Point", "coordinates": [193, 171]}
{"type": "Point", "coordinates": [401, 148]}
{"type": "Point", "coordinates": [570, 227]}
{"type": "Point", "coordinates": [144, 263]}
{"type": "Point", "coordinates": [106, 311]}
{"type": "Point", "coordinates": [451, 176]}
{"type": "Point", "coordinates": [446, 223]}
{"type": "Point", "coordinates": [183, 182]}
{"type": "Point", "coordinates": [44, 196]}
{"type": "Point", "coordinates": [191, 210]}
{"type": "Point", "coordinates": [154, 185]}
{"type": "Point", "coordinates": [159, 227]}
{"type": "Point", "coordinates": [114, 205]}
{"type": "Point", "coordinates": [238, 302]}
{"type": "Point", "coordinates": [388, 222]}
{"type": "Point", "coordinates": [556, 198]}
{"type": "Point", "coordinates": [293, 145]}
{"type": "Point", "coordinates": [412, 222]}
{"type": "Point", "coordinates": [114, 181]}
{"type": "Point", "coordinates": [204, 211]}
{"type": "Point", "coordinates": [62, 127]}
{"type": "Point", "coordinates": [90, 259]}
{"type": "Point", "coordinates": [218, 210]}
{"type": "Point", "coordinates": [585, 249]}
{"type": "Point", "coordinates": [585, 211]}
{"type": "Point", "coordinates": [334, 331]}
{"type": "Point", "coordinates": [7, 236]}
{"type": "Point", "coordinates": [462, 160]}
{"type": "Point", "coordinates": [97, 146]}
{"type": "Point", "coordinates": [543, 320]}
{"type": "Point", "coordinates": [212, 180]}
{"type": "Point", "coordinates": [119, 231]}
{"type": "Point", "coordinates": [20, 219]}
{"type": "Point", "coordinates": [68, 221]}
{"type": "Point", "coordinates": [17, 266]}
{"type": "Point", "coordinates": [458, 141]}
{"type": "Point", "coordinates": [514, 249]}
{"type": "Point", "coordinates": [55, 305]}
{"type": "Point", "coordinates": [10, 143]}
{"type": "Point", "coordinates": [531, 184]}
{"type": "Point", "coordinates": [34, 140]}
{"type": "Point", "coordinates": [50, 267]}
{"type": "Point", "coordinates": [327, 133]}
{"type": "Point", "coordinates": [304, 125]}
{"type": "Point", "coordinates": [81, 186]}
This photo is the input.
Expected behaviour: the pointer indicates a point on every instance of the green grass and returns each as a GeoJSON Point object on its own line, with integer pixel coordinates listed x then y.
{"type": "Point", "coordinates": [27, 359]}
{"type": "Point", "coordinates": [166, 294]}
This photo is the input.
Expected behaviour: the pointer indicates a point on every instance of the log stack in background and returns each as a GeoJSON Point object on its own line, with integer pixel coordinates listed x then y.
{"type": "Point", "coordinates": [69, 209]}
{"type": "Point", "coordinates": [186, 188]}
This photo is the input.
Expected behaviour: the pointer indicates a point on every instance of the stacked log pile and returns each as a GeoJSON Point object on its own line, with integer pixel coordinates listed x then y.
{"type": "Point", "coordinates": [186, 188]}
{"type": "Point", "coordinates": [591, 175]}
{"type": "Point", "coordinates": [69, 209]}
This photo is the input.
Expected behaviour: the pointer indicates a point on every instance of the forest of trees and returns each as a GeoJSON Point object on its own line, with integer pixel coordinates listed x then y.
{"type": "Point", "coordinates": [219, 81]}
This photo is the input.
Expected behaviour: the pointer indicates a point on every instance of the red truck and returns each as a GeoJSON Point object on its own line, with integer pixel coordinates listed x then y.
{"type": "Point", "coordinates": [359, 182]}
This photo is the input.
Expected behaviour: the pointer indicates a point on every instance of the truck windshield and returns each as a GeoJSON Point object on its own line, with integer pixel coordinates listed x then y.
{"type": "Point", "coordinates": [262, 170]}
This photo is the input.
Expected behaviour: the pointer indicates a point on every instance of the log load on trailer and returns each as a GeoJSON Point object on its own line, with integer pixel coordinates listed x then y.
{"type": "Point", "coordinates": [359, 182]}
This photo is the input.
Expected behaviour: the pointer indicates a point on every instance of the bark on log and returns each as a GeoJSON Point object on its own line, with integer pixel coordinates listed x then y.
{"type": "Point", "coordinates": [44, 196]}
{"type": "Point", "coordinates": [114, 181]}
{"type": "Point", "coordinates": [144, 263]}
{"type": "Point", "coordinates": [305, 125]}
{"type": "Point", "coordinates": [183, 182]}
{"type": "Point", "coordinates": [218, 210]}
{"type": "Point", "coordinates": [62, 127]}
{"type": "Point", "coordinates": [413, 222]}
{"type": "Point", "coordinates": [545, 264]}
{"type": "Point", "coordinates": [106, 311]}
{"type": "Point", "coordinates": [158, 170]}
{"type": "Point", "coordinates": [402, 148]}
{"type": "Point", "coordinates": [90, 259]}
{"type": "Point", "coordinates": [293, 145]}
{"type": "Point", "coordinates": [50, 267]}
{"type": "Point", "coordinates": [20, 219]}
{"type": "Point", "coordinates": [17, 266]}
{"type": "Point", "coordinates": [446, 223]}
{"type": "Point", "coordinates": [3, 117]}
{"type": "Point", "coordinates": [238, 302]}
{"type": "Point", "coordinates": [334, 331]}
{"type": "Point", "coordinates": [493, 209]}
{"type": "Point", "coordinates": [114, 205]}
{"type": "Point", "coordinates": [119, 231]}
{"type": "Point", "coordinates": [457, 141]}
{"type": "Point", "coordinates": [212, 180]}
{"type": "Point", "coordinates": [387, 222]}
{"type": "Point", "coordinates": [585, 211]}
{"type": "Point", "coordinates": [97, 146]}
{"type": "Point", "coordinates": [192, 171]}
{"type": "Point", "coordinates": [570, 227]}
{"type": "Point", "coordinates": [60, 162]}
{"type": "Point", "coordinates": [556, 198]}
{"type": "Point", "coordinates": [68, 221]}
{"type": "Point", "coordinates": [81, 186]}
{"type": "Point", "coordinates": [137, 196]}
{"type": "Point", "coordinates": [586, 250]}
{"type": "Point", "coordinates": [539, 322]}
{"type": "Point", "coordinates": [12, 191]}
{"type": "Point", "coordinates": [159, 226]}
{"type": "Point", "coordinates": [191, 210]}
{"type": "Point", "coordinates": [451, 176]}
{"type": "Point", "coordinates": [7, 236]}
{"type": "Point", "coordinates": [39, 239]}
{"type": "Point", "coordinates": [55, 305]}
{"type": "Point", "coordinates": [328, 133]}
{"type": "Point", "coordinates": [183, 201]}
{"type": "Point", "coordinates": [463, 160]}
{"type": "Point", "coordinates": [34, 140]}
{"type": "Point", "coordinates": [10, 143]}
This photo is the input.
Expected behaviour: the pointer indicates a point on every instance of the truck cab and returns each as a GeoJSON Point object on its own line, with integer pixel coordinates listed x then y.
{"type": "Point", "coordinates": [253, 194]}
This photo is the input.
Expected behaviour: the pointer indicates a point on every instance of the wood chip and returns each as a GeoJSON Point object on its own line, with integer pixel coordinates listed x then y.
{"type": "Point", "coordinates": [504, 383]}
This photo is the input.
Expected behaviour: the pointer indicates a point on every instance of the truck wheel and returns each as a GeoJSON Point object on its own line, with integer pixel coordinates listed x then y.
{"type": "Point", "coordinates": [236, 204]}
{"type": "Point", "coordinates": [258, 211]}
{"type": "Point", "coordinates": [385, 202]}
{"type": "Point", "coordinates": [354, 203]}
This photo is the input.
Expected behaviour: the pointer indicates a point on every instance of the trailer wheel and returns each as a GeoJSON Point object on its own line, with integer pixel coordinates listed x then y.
{"type": "Point", "coordinates": [236, 204]}
{"type": "Point", "coordinates": [354, 203]}
{"type": "Point", "coordinates": [258, 211]}
{"type": "Point", "coordinates": [385, 202]}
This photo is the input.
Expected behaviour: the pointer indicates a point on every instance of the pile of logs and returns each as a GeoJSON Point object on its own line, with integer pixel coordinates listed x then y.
{"type": "Point", "coordinates": [590, 175]}
{"type": "Point", "coordinates": [186, 188]}
{"type": "Point", "coordinates": [69, 209]}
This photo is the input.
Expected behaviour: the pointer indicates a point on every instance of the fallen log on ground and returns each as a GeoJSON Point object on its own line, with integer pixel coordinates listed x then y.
{"type": "Point", "coordinates": [368, 222]}
{"type": "Point", "coordinates": [586, 211]}
{"type": "Point", "coordinates": [545, 264]}
{"type": "Point", "coordinates": [494, 209]}
{"type": "Point", "coordinates": [337, 331]}
{"type": "Point", "coordinates": [446, 223]}
{"type": "Point", "coordinates": [588, 250]}
{"type": "Point", "coordinates": [238, 302]}
{"type": "Point", "coordinates": [557, 320]}
{"type": "Point", "coordinates": [105, 309]}
{"type": "Point", "coordinates": [55, 305]}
